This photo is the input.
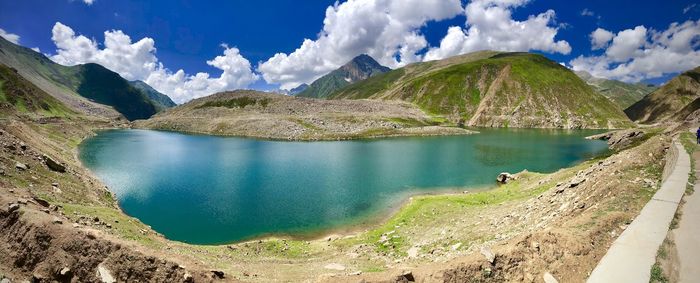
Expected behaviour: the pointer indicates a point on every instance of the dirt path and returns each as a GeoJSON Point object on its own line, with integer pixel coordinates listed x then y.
{"type": "Point", "coordinates": [686, 235]}
{"type": "Point", "coordinates": [631, 256]}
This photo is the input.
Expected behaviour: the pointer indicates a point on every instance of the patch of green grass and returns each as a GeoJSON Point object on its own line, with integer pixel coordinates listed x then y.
{"type": "Point", "coordinates": [122, 225]}
{"type": "Point", "coordinates": [689, 143]}
{"type": "Point", "coordinates": [239, 102]}
{"type": "Point", "coordinates": [657, 274]}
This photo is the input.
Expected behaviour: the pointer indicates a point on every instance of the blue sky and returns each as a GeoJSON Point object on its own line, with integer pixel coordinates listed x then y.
{"type": "Point", "coordinates": [187, 34]}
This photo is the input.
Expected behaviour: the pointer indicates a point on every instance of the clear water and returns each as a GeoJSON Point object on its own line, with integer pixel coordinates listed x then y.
{"type": "Point", "coordinates": [211, 190]}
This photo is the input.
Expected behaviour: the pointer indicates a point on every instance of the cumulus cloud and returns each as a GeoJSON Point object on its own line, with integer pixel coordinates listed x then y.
{"type": "Point", "coordinates": [138, 61]}
{"type": "Point", "coordinates": [387, 30]}
{"type": "Point", "coordinates": [588, 13]}
{"type": "Point", "coordinates": [88, 2]}
{"type": "Point", "coordinates": [11, 37]}
{"type": "Point", "coordinates": [639, 53]}
{"type": "Point", "coordinates": [490, 25]}
{"type": "Point", "coordinates": [600, 38]}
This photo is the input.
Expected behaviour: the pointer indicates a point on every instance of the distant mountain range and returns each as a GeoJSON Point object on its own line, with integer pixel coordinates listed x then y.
{"type": "Point", "coordinates": [623, 94]}
{"type": "Point", "coordinates": [494, 89]}
{"type": "Point", "coordinates": [88, 88]}
{"type": "Point", "coordinates": [358, 69]}
{"type": "Point", "coordinates": [675, 101]}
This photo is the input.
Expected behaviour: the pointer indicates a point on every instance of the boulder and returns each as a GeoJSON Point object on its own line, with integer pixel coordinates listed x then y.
{"type": "Point", "coordinates": [12, 207]}
{"type": "Point", "coordinates": [218, 274]}
{"type": "Point", "coordinates": [405, 276]}
{"type": "Point", "coordinates": [21, 166]}
{"type": "Point", "coordinates": [505, 177]}
{"type": "Point", "coordinates": [548, 278]}
{"type": "Point", "coordinates": [104, 274]}
{"type": "Point", "coordinates": [53, 164]}
{"type": "Point", "coordinates": [490, 257]}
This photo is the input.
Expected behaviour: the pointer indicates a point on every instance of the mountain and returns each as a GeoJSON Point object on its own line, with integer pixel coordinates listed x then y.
{"type": "Point", "coordinates": [623, 94]}
{"type": "Point", "coordinates": [674, 101]}
{"type": "Point", "coordinates": [19, 96]}
{"type": "Point", "coordinates": [358, 69]}
{"type": "Point", "coordinates": [299, 89]}
{"type": "Point", "coordinates": [160, 100]}
{"type": "Point", "coordinates": [89, 88]}
{"type": "Point", "coordinates": [495, 89]}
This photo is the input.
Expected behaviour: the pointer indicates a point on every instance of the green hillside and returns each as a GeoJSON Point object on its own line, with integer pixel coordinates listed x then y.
{"type": "Point", "coordinates": [161, 101]}
{"type": "Point", "coordinates": [495, 90]}
{"type": "Point", "coordinates": [358, 69]}
{"type": "Point", "coordinates": [18, 95]}
{"type": "Point", "coordinates": [674, 101]}
{"type": "Point", "coordinates": [623, 94]}
{"type": "Point", "coordinates": [68, 83]}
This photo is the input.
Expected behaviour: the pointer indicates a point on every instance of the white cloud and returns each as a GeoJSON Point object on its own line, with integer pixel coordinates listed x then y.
{"type": "Point", "coordinates": [11, 37]}
{"type": "Point", "coordinates": [490, 26]}
{"type": "Point", "coordinates": [88, 2]}
{"type": "Point", "coordinates": [587, 12]}
{"type": "Point", "coordinates": [138, 61]}
{"type": "Point", "coordinates": [600, 38]}
{"type": "Point", "coordinates": [36, 49]}
{"type": "Point", "coordinates": [384, 29]}
{"type": "Point", "coordinates": [638, 54]}
{"type": "Point", "coordinates": [689, 8]}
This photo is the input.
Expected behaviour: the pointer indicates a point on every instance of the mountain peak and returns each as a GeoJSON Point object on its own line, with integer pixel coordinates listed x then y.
{"type": "Point", "coordinates": [359, 68]}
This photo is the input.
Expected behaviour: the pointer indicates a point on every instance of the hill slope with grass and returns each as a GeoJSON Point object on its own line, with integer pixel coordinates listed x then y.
{"type": "Point", "coordinates": [495, 89]}
{"type": "Point", "coordinates": [674, 101]}
{"type": "Point", "coordinates": [358, 69]}
{"type": "Point", "coordinates": [90, 88]}
{"type": "Point", "coordinates": [623, 94]}
{"type": "Point", "coordinates": [19, 96]}
{"type": "Point", "coordinates": [161, 101]}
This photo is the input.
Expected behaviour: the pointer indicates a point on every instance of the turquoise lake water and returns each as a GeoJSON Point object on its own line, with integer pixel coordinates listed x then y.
{"type": "Point", "coordinates": [212, 190]}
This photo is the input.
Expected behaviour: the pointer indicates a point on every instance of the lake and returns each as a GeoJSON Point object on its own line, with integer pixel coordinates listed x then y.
{"type": "Point", "coordinates": [212, 190]}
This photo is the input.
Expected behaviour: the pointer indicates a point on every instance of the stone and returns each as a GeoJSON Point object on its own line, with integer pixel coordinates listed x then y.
{"type": "Point", "coordinates": [188, 277]}
{"type": "Point", "coordinates": [56, 220]}
{"type": "Point", "coordinates": [413, 252]}
{"type": "Point", "coordinates": [41, 202]}
{"type": "Point", "coordinates": [505, 177]}
{"type": "Point", "coordinates": [335, 266]}
{"type": "Point", "coordinates": [356, 273]}
{"type": "Point", "coordinates": [104, 274]}
{"type": "Point", "coordinates": [486, 251]}
{"type": "Point", "coordinates": [23, 146]}
{"type": "Point", "coordinates": [53, 164]}
{"type": "Point", "coordinates": [548, 278]}
{"type": "Point", "coordinates": [12, 207]}
{"type": "Point", "coordinates": [21, 166]}
{"type": "Point", "coordinates": [576, 181]}
{"type": "Point", "coordinates": [22, 201]}
{"type": "Point", "coordinates": [405, 276]}
{"type": "Point", "coordinates": [218, 274]}
{"type": "Point", "coordinates": [456, 246]}
{"type": "Point", "coordinates": [5, 280]}
{"type": "Point", "coordinates": [64, 271]}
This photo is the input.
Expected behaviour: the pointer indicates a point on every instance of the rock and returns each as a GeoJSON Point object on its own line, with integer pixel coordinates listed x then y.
{"type": "Point", "coordinates": [53, 165]}
{"type": "Point", "coordinates": [188, 277]}
{"type": "Point", "coordinates": [23, 146]}
{"type": "Point", "coordinates": [486, 251]}
{"type": "Point", "coordinates": [577, 181]}
{"type": "Point", "coordinates": [64, 272]}
{"type": "Point", "coordinates": [21, 166]}
{"type": "Point", "coordinates": [456, 246]}
{"type": "Point", "coordinates": [405, 276]}
{"type": "Point", "coordinates": [359, 272]}
{"type": "Point", "coordinates": [41, 202]}
{"type": "Point", "coordinates": [56, 220]}
{"type": "Point", "coordinates": [548, 278]}
{"type": "Point", "coordinates": [104, 274]}
{"type": "Point", "coordinates": [413, 252]}
{"type": "Point", "coordinates": [335, 266]}
{"type": "Point", "coordinates": [5, 280]}
{"type": "Point", "coordinates": [22, 201]}
{"type": "Point", "coordinates": [12, 207]}
{"type": "Point", "coordinates": [218, 274]}
{"type": "Point", "coordinates": [505, 177]}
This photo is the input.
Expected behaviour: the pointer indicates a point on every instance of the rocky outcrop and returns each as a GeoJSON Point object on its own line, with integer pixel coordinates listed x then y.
{"type": "Point", "coordinates": [53, 164]}
{"type": "Point", "coordinates": [618, 140]}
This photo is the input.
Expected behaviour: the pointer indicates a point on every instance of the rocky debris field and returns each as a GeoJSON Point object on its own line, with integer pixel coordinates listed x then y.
{"type": "Point", "coordinates": [273, 116]}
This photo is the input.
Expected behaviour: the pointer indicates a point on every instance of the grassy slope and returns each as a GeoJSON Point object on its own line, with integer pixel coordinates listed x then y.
{"type": "Point", "coordinates": [91, 81]}
{"type": "Point", "coordinates": [531, 84]}
{"type": "Point", "coordinates": [22, 96]}
{"type": "Point", "coordinates": [161, 101]}
{"type": "Point", "coordinates": [664, 103]}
